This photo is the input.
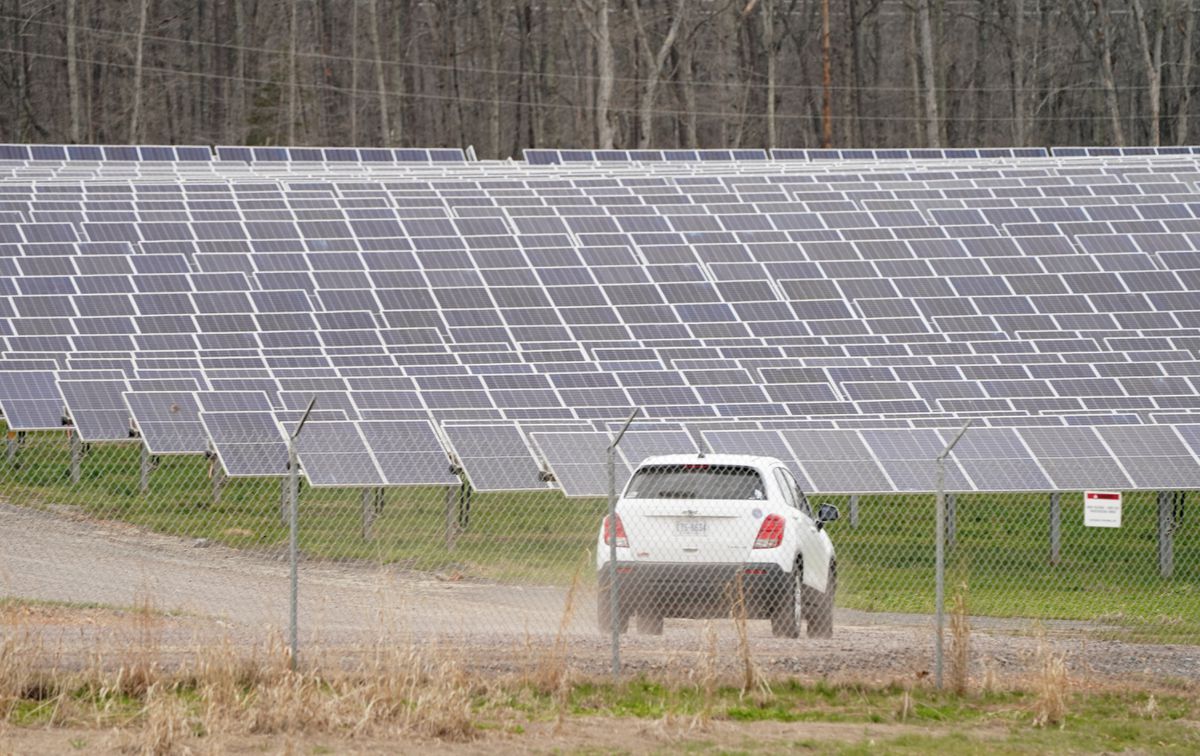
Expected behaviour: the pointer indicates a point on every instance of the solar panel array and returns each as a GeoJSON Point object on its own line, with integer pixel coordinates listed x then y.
{"type": "Point", "coordinates": [498, 317]}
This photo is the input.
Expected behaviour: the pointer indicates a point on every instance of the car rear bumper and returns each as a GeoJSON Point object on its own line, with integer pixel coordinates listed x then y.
{"type": "Point", "coordinates": [700, 590]}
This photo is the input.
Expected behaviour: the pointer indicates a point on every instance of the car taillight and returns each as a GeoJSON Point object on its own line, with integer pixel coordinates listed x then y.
{"type": "Point", "coordinates": [622, 541]}
{"type": "Point", "coordinates": [770, 533]}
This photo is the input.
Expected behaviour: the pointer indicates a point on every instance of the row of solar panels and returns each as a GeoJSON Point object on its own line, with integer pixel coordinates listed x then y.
{"type": "Point", "coordinates": [94, 400]}
{"type": "Point", "coordinates": [248, 439]}
{"type": "Point", "coordinates": [188, 154]}
{"type": "Point", "coordinates": [565, 157]}
{"type": "Point", "coordinates": [177, 153]}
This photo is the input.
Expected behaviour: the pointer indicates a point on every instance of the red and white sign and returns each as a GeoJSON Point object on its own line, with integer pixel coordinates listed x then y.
{"type": "Point", "coordinates": [1102, 509]}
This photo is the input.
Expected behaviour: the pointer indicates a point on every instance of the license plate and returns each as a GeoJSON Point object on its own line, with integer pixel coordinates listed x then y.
{"type": "Point", "coordinates": [691, 527]}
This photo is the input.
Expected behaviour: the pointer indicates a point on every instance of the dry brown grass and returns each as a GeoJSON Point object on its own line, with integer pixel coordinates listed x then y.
{"type": "Point", "coordinates": [1051, 685]}
{"type": "Point", "coordinates": [960, 643]}
{"type": "Point", "coordinates": [752, 679]}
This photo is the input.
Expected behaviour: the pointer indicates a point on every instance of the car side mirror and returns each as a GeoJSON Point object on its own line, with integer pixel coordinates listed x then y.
{"type": "Point", "coordinates": [827, 513]}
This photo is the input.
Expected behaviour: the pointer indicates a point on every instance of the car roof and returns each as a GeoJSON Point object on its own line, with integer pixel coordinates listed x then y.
{"type": "Point", "coordinates": [746, 460]}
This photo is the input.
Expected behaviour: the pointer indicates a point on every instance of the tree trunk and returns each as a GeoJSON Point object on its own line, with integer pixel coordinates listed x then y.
{"type": "Point", "coordinates": [1106, 72]}
{"type": "Point", "coordinates": [385, 132]}
{"type": "Point", "coordinates": [135, 115]}
{"type": "Point", "coordinates": [493, 32]}
{"type": "Point", "coordinates": [293, 88]}
{"type": "Point", "coordinates": [1152, 60]}
{"type": "Point", "coordinates": [1185, 71]}
{"type": "Point", "coordinates": [354, 73]}
{"type": "Point", "coordinates": [654, 62]}
{"type": "Point", "coordinates": [236, 133]}
{"type": "Point", "coordinates": [605, 70]}
{"type": "Point", "coordinates": [826, 79]}
{"type": "Point", "coordinates": [768, 30]}
{"type": "Point", "coordinates": [932, 126]}
{"type": "Point", "coordinates": [1020, 98]}
{"type": "Point", "coordinates": [73, 72]}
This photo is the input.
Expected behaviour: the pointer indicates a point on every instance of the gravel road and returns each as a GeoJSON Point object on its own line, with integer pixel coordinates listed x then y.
{"type": "Point", "coordinates": [215, 593]}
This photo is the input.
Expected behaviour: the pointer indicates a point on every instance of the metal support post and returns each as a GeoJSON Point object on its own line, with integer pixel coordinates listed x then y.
{"type": "Point", "coordinates": [1166, 533]}
{"type": "Point", "coordinates": [464, 506]}
{"type": "Point", "coordinates": [144, 471]}
{"type": "Point", "coordinates": [940, 569]}
{"type": "Point", "coordinates": [452, 496]}
{"type": "Point", "coordinates": [76, 455]}
{"type": "Point", "coordinates": [218, 481]}
{"type": "Point", "coordinates": [951, 521]}
{"type": "Point", "coordinates": [1056, 528]}
{"type": "Point", "coordinates": [293, 478]}
{"type": "Point", "coordinates": [367, 500]}
{"type": "Point", "coordinates": [613, 588]}
{"type": "Point", "coordinates": [854, 511]}
{"type": "Point", "coordinates": [11, 450]}
{"type": "Point", "coordinates": [940, 557]}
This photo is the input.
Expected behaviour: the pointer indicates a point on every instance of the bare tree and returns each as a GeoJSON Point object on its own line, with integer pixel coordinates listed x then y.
{"type": "Point", "coordinates": [73, 72]}
{"type": "Point", "coordinates": [136, 114]}
{"type": "Point", "coordinates": [1151, 44]}
{"type": "Point", "coordinates": [928, 64]}
{"type": "Point", "coordinates": [653, 62]}
{"type": "Point", "coordinates": [1187, 58]}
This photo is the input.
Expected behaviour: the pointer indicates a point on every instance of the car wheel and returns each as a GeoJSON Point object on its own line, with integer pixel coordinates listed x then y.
{"type": "Point", "coordinates": [604, 613]}
{"type": "Point", "coordinates": [819, 607]}
{"type": "Point", "coordinates": [785, 620]}
{"type": "Point", "coordinates": [649, 622]}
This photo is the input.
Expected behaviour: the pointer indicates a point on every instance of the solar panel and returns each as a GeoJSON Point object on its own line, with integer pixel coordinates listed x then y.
{"type": "Point", "coordinates": [1074, 458]}
{"type": "Point", "coordinates": [907, 456]}
{"type": "Point", "coordinates": [759, 443]}
{"type": "Point", "coordinates": [248, 443]}
{"type": "Point", "coordinates": [1154, 457]}
{"type": "Point", "coordinates": [495, 457]}
{"type": "Point", "coordinates": [334, 454]}
{"type": "Point", "coordinates": [97, 408]}
{"type": "Point", "coordinates": [30, 400]}
{"type": "Point", "coordinates": [637, 444]}
{"type": "Point", "coordinates": [168, 421]}
{"type": "Point", "coordinates": [837, 461]}
{"type": "Point", "coordinates": [578, 461]}
{"type": "Point", "coordinates": [407, 452]}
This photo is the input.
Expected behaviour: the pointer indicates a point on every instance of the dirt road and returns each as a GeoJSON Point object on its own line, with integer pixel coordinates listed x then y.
{"type": "Point", "coordinates": [212, 592]}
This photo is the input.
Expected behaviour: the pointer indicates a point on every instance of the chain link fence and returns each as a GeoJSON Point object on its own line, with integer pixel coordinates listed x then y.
{"type": "Point", "coordinates": [709, 550]}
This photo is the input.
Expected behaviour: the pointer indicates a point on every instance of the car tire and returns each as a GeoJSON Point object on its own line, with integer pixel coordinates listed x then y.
{"type": "Point", "coordinates": [818, 607]}
{"type": "Point", "coordinates": [785, 619]}
{"type": "Point", "coordinates": [649, 622]}
{"type": "Point", "coordinates": [604, 613]}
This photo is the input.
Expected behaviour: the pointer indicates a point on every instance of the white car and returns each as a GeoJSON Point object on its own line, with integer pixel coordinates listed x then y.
{"type": "Point", "coordinates": [688, 525]}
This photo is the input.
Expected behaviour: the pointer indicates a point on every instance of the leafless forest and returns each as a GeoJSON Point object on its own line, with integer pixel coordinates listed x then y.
{"type": "Point", "coordinates": [503, 75]}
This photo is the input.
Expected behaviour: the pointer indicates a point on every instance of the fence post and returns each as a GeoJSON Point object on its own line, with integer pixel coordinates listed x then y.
{"type": "Point", "coordinates": [1055, 528]}
{"type": "Point", "coordinates": [613, 593]}
{"type": "Point", "coordinates": [1166, 533]}
{"type": "Point", "coordinates": [11, 447]}
{"type": "Point", "coordinates": [854, 511]}
{"type": "Point", "coordinates": [294, 537]}
{"type": "Point", "coordinates": [940, 557]}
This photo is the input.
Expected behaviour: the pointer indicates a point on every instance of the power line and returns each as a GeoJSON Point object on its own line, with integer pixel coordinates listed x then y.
{"type": "Point", "coordinates": [373, 94]}
{"type": "Point", "coordinates": [388, 62]}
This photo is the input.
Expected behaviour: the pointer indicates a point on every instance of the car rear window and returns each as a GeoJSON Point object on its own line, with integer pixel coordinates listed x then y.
{"type": "Point", "coordinates": [696, 481]}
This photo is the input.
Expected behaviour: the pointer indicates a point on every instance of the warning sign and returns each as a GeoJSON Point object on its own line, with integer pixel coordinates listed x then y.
{"type": "Point", "coordinates": [1102, 509]}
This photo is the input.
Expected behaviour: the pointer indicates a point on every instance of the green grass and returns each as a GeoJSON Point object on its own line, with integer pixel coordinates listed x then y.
{"type": "Point", "coordinates": [885, 564]}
